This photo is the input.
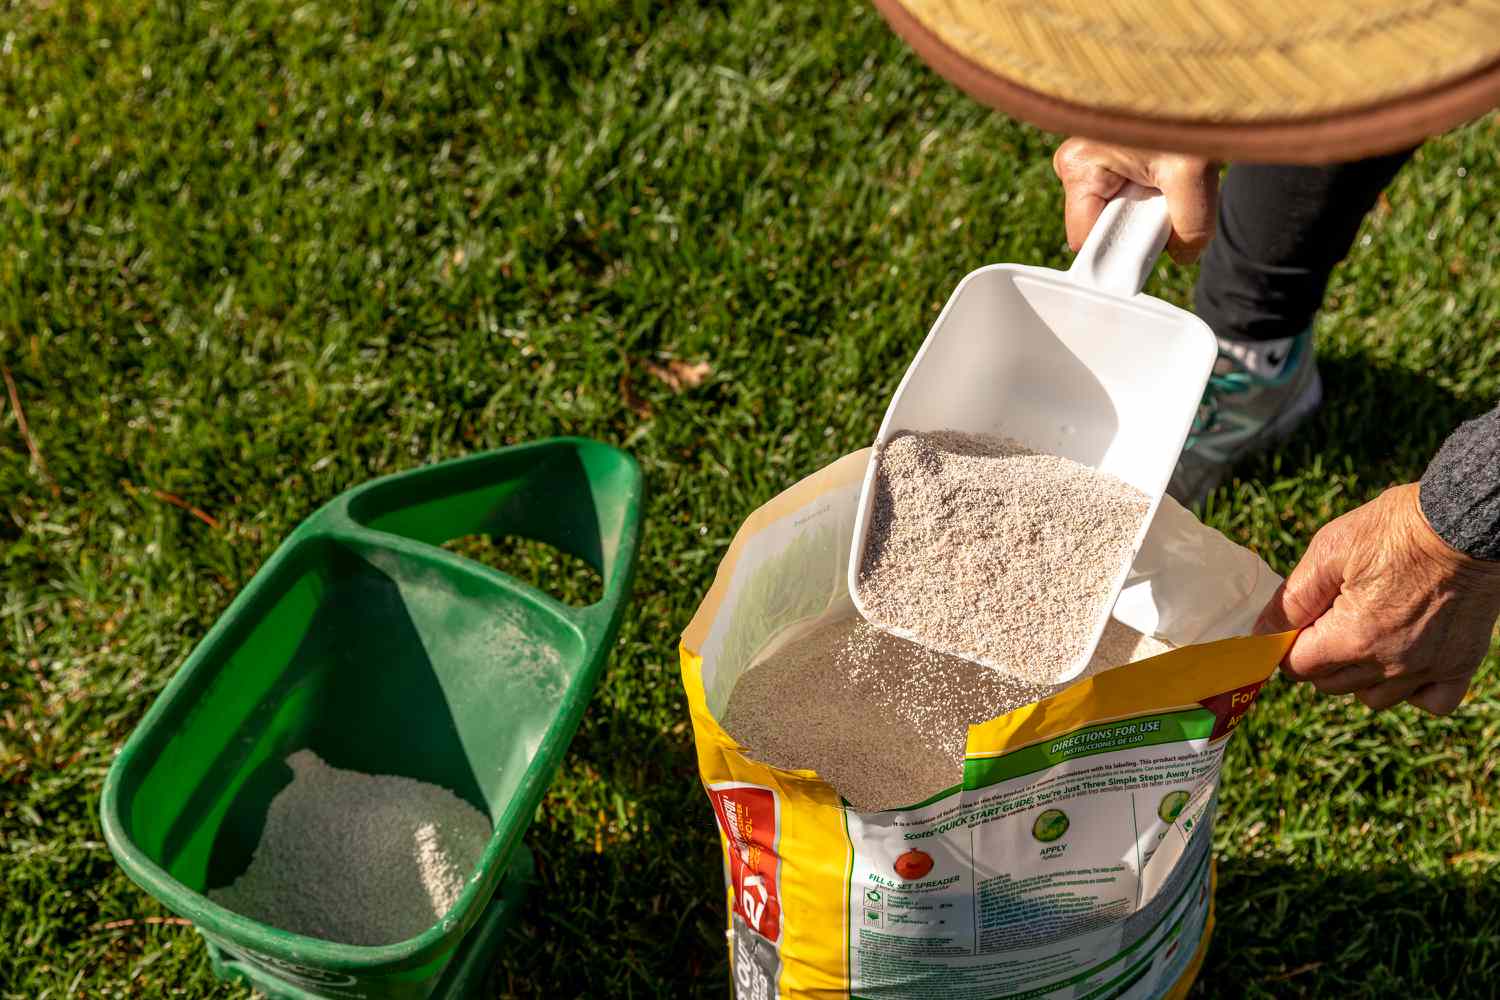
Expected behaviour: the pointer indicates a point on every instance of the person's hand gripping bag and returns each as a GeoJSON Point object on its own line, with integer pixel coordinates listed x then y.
{"type": "Point", "coordinates": [1070, 858]}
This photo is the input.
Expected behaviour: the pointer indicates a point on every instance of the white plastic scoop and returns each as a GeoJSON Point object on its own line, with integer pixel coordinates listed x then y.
{"type": "Point", "coordinates": [1076, 363]}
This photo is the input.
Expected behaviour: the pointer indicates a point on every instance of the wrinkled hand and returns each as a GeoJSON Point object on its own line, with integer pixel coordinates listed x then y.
{"type": "Point", "coordinates": [1093, 172]}
{"type": "Point", "coordinates": [1389, 611]}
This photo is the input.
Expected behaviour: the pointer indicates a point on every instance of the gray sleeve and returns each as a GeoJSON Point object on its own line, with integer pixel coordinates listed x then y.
{"type": "Point", "coordinates": [1461, 488]}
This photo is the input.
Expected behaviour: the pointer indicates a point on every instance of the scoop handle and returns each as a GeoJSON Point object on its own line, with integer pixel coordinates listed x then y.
{"type": "Point", "coordinates": [1123, 246]}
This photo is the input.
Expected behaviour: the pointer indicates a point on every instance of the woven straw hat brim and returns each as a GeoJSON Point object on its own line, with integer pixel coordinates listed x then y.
{"type": "Point", "coordinates": [1229, 79]}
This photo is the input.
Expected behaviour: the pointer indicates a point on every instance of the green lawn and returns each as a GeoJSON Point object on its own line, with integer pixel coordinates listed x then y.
{"type": "Point", "coordinates": [252, 254]}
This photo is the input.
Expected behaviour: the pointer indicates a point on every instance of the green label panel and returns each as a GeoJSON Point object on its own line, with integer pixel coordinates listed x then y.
{"type": "Point", "coordinates": [1123, 734]}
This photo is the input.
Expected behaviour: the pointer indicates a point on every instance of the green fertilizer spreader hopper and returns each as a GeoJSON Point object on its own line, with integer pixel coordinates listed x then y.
{"type": "Point", "coordinates": [364, 640]}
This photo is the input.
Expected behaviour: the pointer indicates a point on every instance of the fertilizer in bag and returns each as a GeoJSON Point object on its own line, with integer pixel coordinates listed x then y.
{"type": "Point", "coordinates": [1068, 855]}
{"type": "Point", "coordinates": [882, 720]}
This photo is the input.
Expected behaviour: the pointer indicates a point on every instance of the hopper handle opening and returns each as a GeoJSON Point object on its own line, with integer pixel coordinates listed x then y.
{"type": "Point", "coordinates": [581, 497]}
{"type": "Point", "coordinates": [1122, 248]}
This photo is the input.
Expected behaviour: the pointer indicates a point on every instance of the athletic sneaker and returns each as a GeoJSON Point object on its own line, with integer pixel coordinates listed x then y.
{"type": "Point", "coordinates": [1258, 394]}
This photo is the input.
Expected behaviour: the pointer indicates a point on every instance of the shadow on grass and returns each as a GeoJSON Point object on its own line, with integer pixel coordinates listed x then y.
{"type": "Point", "coordinates": [1285, 930]}
{"type": "Point", "coordinates": [642, 916]}
{"type": "Point", "coordinates": [1380, 422]}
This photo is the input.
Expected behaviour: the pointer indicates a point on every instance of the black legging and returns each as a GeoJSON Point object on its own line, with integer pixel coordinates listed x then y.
{"type": "Point", "coordinates": [1281, 231]}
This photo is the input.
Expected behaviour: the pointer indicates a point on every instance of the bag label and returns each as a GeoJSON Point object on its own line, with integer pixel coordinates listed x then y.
{"type": "Point", "coordinates": [749, 817]}
{"type": "Point", "coordinates": [757, 963]}
{"type": "Point", "coordinates": [1036, 878]}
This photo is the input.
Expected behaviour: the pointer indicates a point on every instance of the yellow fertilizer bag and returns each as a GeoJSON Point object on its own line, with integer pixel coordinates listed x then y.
{"type": "Point", "coordinates": [1071, 855]}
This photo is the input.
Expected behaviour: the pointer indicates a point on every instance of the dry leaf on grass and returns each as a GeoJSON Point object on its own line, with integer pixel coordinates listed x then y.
{"type": "Point", "coordinates": [1283, 976]}
{"type": "Point", "coordinates": [680, 375]}
{"type": "Point", "coordinates": [634, 403]}
{"type": "Point", "coordinates": [31, 447]}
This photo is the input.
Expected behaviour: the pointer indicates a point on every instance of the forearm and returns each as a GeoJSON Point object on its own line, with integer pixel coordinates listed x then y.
{"type": "Point", "coordinates": [1461, 488]}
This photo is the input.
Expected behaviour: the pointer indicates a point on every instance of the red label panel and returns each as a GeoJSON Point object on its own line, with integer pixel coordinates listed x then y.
{"type": "Point", "coordinates": [1230, 707]}
{"type": "Point", "coordinates": [747, 816]}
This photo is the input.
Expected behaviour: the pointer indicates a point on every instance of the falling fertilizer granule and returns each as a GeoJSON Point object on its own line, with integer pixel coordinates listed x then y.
{"type": "Point", "coordinates": [358, 858]}
{"type": "Point", "coordinates": [984, 548]}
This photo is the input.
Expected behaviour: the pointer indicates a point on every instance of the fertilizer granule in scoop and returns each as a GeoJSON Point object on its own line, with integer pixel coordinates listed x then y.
{"type": "Point", "coordinates": [358, 858]}
{"type": "Point", "coordinates": [981, 547]}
